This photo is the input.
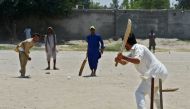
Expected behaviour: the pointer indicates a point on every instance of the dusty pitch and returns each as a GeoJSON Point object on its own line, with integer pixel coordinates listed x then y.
{"type": "Point", "coordinates": [113, 88]}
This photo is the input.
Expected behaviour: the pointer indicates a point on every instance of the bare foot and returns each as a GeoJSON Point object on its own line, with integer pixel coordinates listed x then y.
{"type": "Point", "coordinates": [55, 68]}
{"type": "Point", "coordinates": [48, 68]}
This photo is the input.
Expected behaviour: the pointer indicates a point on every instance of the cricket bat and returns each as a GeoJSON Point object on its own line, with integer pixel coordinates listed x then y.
{"type": "Point", "coordinates": [127, 33]}
{"type": "Point", "coordinates": [170, 90]}
{"type": "Point", "coordinates": [82, 66]}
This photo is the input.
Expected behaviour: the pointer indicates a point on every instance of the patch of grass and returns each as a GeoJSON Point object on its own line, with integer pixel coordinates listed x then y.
{"type": "Point", "coordinates": [37, 49]}
{"type": "Point", "coordinates": [182, 50]}
{"type": "Point", "coordinates": [162, 50]}
{"type": "Point", "coordinates": [114, 47]}
{"type": "Point", "coordinates": [7, 47]}
{"type": "Point", "coordinates": [77, 47]}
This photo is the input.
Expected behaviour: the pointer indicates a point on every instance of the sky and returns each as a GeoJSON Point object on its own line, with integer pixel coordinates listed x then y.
{"type": "Point", "coordinates": [107, 2]}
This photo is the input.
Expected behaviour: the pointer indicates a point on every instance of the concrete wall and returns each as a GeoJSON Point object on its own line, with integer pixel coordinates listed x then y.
{"type": "Point", "coordinates": [179, 24]}
{"type": "Point", "coordinates": [166, 23]}
{"type": "Point", "coordinates": [143, 21]}
{"type": "Point", "coordinates": [76, 26]}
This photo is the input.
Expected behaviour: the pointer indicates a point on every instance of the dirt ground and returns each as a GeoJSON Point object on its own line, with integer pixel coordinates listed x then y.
{"type": "Point", "coordinates": [113, 88]}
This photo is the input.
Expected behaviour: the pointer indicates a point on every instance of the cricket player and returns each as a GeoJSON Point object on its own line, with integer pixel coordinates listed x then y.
{"type": "Point", "coordinates": [50, 47]}
{"type": "Point", "coordinates": [148, 66]}
{"type": "Point", "coordinates": [23, 50]}
{"type": "Point", "coordinates": [152, 43]}
{"type": "Point", "coordinates": [95, 49]}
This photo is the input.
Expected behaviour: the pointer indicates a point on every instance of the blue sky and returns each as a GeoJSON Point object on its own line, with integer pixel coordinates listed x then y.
{"type": "Point", "coordinates": [107, 2]}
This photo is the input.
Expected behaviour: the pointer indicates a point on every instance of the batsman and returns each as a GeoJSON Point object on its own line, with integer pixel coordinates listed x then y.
{"type": "Point", "coordinates": [94, 50]}
{"type": "Point", "coordinates": [147, 65]}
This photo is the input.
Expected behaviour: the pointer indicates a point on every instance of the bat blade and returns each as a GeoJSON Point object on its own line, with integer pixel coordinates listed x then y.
{"type": "Point", "coordinates": [127, 33]}
{"type": "Point", "coordinates": [82, 66]}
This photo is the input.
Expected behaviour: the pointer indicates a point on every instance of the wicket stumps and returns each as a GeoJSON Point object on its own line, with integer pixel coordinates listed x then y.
{"type": "Point", "coordinates": [160, 91]}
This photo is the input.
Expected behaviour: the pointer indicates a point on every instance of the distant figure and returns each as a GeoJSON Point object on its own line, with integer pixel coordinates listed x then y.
{"type": "Point", "coordinates": [95, 49]}
{"type": "Point", "coordinates": [27, 32]}
{"type": "Point", "coordinates": [152, 42]}
{"type": "Point", "coordinates": [23, 50]}
{"type": "Point", "coordinates": [50, 47]}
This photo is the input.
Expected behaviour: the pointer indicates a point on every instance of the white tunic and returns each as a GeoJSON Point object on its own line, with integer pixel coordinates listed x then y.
{"type": "Point", "coordinates": [50, 45]}
{"type": "Point", "coordinates": [149, 65]}
{"type": "Point", "coordinates": [27, 32]}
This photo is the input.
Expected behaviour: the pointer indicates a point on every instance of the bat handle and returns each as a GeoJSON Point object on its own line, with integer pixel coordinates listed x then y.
{"type": "Point", "coordinates": [116, 64]}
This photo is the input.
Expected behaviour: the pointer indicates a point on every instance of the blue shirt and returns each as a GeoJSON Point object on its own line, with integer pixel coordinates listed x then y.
{"type": "Point", "coordinates": [95, 42]}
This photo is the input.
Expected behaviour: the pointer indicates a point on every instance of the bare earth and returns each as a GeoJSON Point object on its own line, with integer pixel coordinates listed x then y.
{"type": "Point", "coordinates": [63, 89]}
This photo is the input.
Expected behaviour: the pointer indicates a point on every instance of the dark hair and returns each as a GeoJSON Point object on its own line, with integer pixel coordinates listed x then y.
{"type": "Point", "coordinates": [131, 40]}
{"type": "Point", "coordinates": [35, 34]}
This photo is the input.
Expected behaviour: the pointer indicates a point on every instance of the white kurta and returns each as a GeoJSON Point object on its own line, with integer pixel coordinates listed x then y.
{"type": "Point", "coordinates": [50, 46]}
{"type": "Point", "coordinates": [27, 32]}
{"type": "Point", "coordinates": [148, 67]}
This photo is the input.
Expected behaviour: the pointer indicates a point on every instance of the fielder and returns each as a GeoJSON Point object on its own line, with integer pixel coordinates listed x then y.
{"type": "Point", "coordinates": [23, 50]}
{"type": "Point", "coordinates": [152, 43]}
{"type": "Point", "coordinates": [94, 50]}
{"type": "Point", "coordinates": [50, 47]}
{"type": "Point", "coordinates": [148, 66]}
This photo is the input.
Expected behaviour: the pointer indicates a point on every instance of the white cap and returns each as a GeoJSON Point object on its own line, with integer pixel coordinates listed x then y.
{"type": "Point", "coordinates": [92, 27]}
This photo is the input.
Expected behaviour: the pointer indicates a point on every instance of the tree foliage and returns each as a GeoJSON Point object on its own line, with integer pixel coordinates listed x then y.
{"type": "Point", "coordinates": [183, 4]}
{"type": "Point", "coordinates": [146, 4]}
{"type": "Point", "coordinates": [96, 5]}
{"type": "Point", "coordinates": [10, 10]}
{"type": "Point", "coordinates": [36, 7]}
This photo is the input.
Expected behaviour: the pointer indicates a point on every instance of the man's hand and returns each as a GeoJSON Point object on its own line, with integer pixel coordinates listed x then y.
{"type": "Point", "coordinates": [29, 58]}
{"type": "Point", "coordinates": [120, 56]}
{"type": "Point", "coordinates": [102, 51]}
{"type": "Point", "coordinates": [121, 61]}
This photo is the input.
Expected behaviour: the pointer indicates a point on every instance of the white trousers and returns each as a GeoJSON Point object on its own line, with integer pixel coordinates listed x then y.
{"type": "Point", "coordinates": [145, 88]}
{"type": "Point", "coordinates": [50, 54]}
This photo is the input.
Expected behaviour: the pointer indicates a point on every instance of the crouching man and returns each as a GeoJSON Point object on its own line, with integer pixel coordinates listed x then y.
{"type": "Point", "coordinates": [23, 50]}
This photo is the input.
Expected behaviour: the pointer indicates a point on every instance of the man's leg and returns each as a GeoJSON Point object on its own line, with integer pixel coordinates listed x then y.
{"type": "Point", "coordinates": [140, 95]}
{"type": "Point", "coordinates": [54, 60]}
{"type": "Point", "coordinates": [95, 64]}
{"type": "Point", "coordinates": [54, 65]}
{"type": "Point", "coordinates": [154, 48]}
{"type": "Point", "coordinates": [48, 61]}
{"type": "Point", "coordinates": [93, 72]}
{"type": "Point", "coordinates": [149, 47]}
{"type": "Point", "coordinates": [23, 62]}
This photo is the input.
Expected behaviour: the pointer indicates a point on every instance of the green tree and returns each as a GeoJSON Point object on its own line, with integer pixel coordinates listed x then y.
{"type": "Point", "coordinates": [114, 4]}
{"type": "Point", "coordinates": [96, 5]}
{"type": "Point", "coordinates": [126, 4]}
{"type": "Point", "coordinates": [11, 10]}
{"type": "Point", "coordinates": [183, 4]}
{"type": "Point", "coordinates": [146, 4]}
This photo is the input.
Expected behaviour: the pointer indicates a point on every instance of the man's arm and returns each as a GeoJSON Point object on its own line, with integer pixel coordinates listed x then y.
{"type": "Point", "coordinates": [133, 60]}
{"type": "Point", "coordinates": [45, 39]}
{"type": "Point", "coordinates": [102, 45]}
{"type": "Point", "coordinates": [26, 51]}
